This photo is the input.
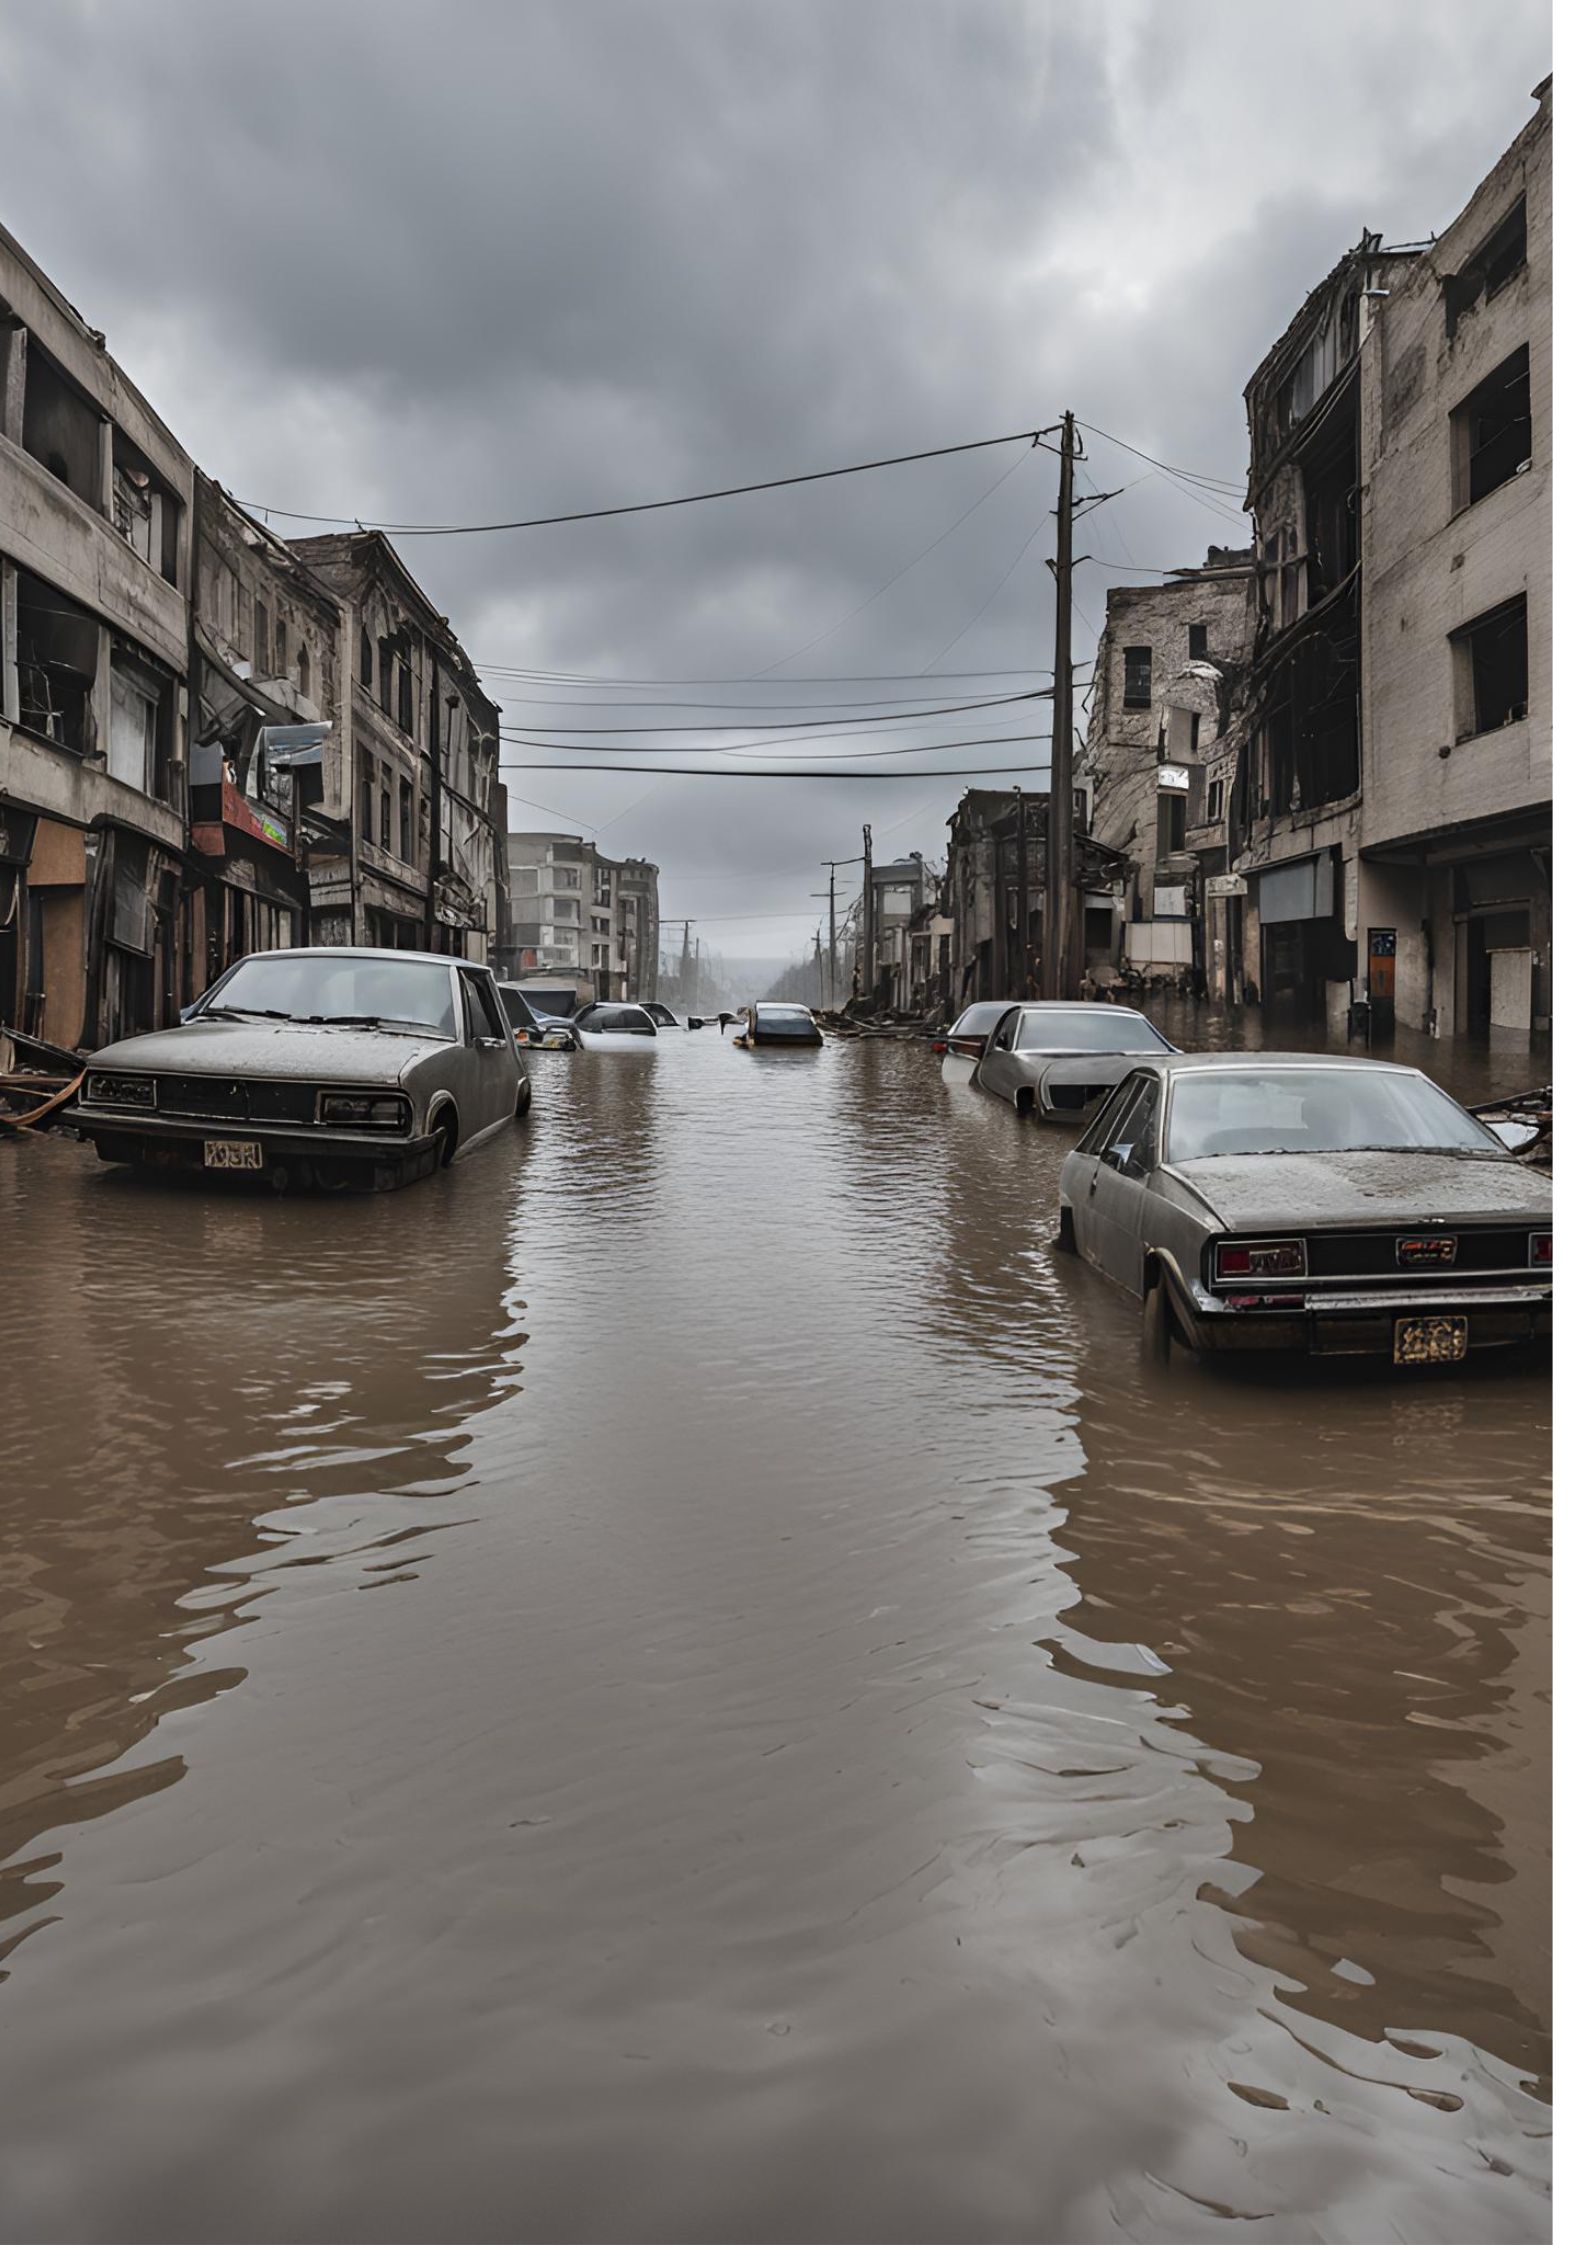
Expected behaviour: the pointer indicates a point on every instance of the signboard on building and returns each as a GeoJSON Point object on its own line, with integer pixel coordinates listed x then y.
{"type": "Point", "coordinates": [1176, 776]}
{"type": "Point", "coordinates": [1224, 884]}
{"type": "Point", "coordinates": [1169, 903]}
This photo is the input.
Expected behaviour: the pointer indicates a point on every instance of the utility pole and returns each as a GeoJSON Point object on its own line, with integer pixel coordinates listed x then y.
{"type": "Point", "coordinates": [869, 983]}
{"type": "Point", "coordinates": [1022, 879]}
{"type": "Point", "coordinates": [832, 934]}
{"type": "Point", "coordinates": [1058, 966]}
{"type": "Point", "coordinates": [684, 992]}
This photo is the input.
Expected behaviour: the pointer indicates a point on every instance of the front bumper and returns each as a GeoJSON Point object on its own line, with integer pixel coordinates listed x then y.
{"type": "Point", "coordinates": [292, 1152]}
{"type": "Point", "coordinates": [1315, 1321]}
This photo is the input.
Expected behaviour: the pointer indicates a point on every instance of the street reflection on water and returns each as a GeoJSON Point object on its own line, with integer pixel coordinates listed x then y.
{"type": "Point", "coordinates": [845, 1749]}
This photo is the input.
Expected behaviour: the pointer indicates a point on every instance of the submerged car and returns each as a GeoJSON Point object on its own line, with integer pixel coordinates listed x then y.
{"type": "Point", "coordinates": [1055, 1060]}
{"type": "Point", "coordinates": [332, 1066]}
{"type": "Point", "coordinates": [662, 1016]}
{"type": "Point", "coordinates": [1283, 1201]}
{"type": "Point", "coordinates": [532, 1029]}
{"type": "Point", "coordinates": [779, 1024]}
{"type": "Point", "coordinates": [608, 1020]}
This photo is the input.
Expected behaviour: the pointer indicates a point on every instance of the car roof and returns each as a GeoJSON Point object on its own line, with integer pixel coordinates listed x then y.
{"type": "Point", "coordinates": [355, 951]}
{"type": "Point", "coordinates": [1176, 1063]}
{"type": "Point", "coordinates": [1086, 1006]}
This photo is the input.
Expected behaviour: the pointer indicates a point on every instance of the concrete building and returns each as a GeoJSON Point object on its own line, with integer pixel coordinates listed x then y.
{"type": "Point", "coordinates": [266, 653]}
{"type": "Point", "coordinates": [1167, 705]}
{"type": "Point", "coordinates": [897, 893]}
{"type": "Point", "coordinates": [406, 855]}
{"type": "Point", "coordinates": [575, 913]}
{"type": "Point", "coordinates": [994, 889]}
{"type": "Point", "coordinates": [1453, 905]}
{"type": "Point", "coordinates": [1295, 824]}
{"type": "Point", "coordinates": [96, 501]}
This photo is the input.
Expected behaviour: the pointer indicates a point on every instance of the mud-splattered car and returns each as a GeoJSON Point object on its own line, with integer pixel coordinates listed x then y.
{"type": "Point", "coordinates": [1285, 1201]}
{"type": "Point", "coordinates": [332, 1067]}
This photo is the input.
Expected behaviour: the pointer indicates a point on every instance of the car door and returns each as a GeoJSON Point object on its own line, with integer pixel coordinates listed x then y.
{"type": "Point", "coordinates": [500, 1070]}
{"type": "Point", "coordinates": [1116, 1204]}
{"type": "Point", "coordinates": [996, 1071]}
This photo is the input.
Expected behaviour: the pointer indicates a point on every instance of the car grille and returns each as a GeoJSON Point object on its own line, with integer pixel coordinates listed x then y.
{"type": "Point", "coordinates": [234, 1099]}
{"type": "Point", "coordinates": [1375, 1254]}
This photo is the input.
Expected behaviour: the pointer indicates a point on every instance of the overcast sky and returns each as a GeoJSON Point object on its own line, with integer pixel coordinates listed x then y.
{"type": "Point", "coordinates": [425, 263]}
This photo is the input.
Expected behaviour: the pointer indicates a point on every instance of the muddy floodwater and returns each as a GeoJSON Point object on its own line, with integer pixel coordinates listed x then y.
{"type": "Point", "coordinates": [684, 1681]}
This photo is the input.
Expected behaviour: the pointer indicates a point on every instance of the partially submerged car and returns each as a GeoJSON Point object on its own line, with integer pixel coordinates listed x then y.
{"type": "Point", "coordinates": [532, 1029]}
{"type": "Point", "coordinates": [608, 1020]}
{"type": "Point", "coordinates": [1054, 1060]}
{"type": "Point", "coordinates": [333, 1066]}
{"type": "Point", "coordinates": [779, 1024]}
{"type": "Point", "coordinates": [1286, 1201]}
{"type": "Point", "coordinates": [662, 1016]}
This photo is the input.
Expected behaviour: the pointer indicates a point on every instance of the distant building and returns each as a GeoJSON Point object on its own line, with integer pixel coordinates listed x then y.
{"type": "Point", "coordinates": [96, 500]}
{"type": "Point", "coordinates": [994, 890]}
{"type": "Point", "coordinates": [1168, 695]}
{"type": "Point", "coordinates": [573, 911]}
{"type": "Point", "coordinates": [897, 893]}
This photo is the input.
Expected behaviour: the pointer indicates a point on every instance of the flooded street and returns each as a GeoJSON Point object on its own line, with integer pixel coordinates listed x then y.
{"type": "Point", "coordinates": [684, 1680]}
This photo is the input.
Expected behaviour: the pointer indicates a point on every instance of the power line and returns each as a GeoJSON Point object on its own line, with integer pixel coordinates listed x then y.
{"type": "Point", "coordinates": [886, 701]}
{"type": "Point", "coordinates": [654, 506]}
{"type": "Point", "coordinates": [941, 536]}
{"type": "Point", "coordinates": [1186, 475]}
{"type": "Point", "coordinates": [841, 678]}
{"type": "Point", "coordinates": [806, 772]}
{"type": "Point", "coordinates": [814, 724]}
{"type": "Point", "coordinates": [992, 595]}
{"type": "Point", "coordinates": [754, 748]}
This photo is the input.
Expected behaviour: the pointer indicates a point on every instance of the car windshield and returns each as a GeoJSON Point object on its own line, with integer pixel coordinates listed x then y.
{"type": "Point", "coordinates": [1086, 1029]}
{"type": "Point", "coordinates": [332, 986]}
{"type": "Point", "coordinates": [1315, 1111]}
{"type": "Point", "coordinates": [980, 1019]}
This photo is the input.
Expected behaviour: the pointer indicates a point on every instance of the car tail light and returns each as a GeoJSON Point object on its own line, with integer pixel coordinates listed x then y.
{"type": "Point", "coordinates": [1542, 1257]}
{"type": "Point", "coordinates": [938, 1045]}
{"type": "Point", "coordinates": [1261, 1258]}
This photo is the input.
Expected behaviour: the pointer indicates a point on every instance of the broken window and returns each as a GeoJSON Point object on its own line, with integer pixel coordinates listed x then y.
{"type": "Point", "coordinates": [366, 661]}
{"type": "Point", "coordinates": [59, 426]}
{"type": "Point", "coordinates": [385, 815]}
{"type": "Point", "coordinates": [366, 793]}
{"type": "Point", "coordinates": [1489, 269]}
{"type": "Point", "coordinates": [303, 671]}
{"type": "Point", "coordinates": [1491, 670]}
{"type": "Point", "coordinates": [1137, 678]}
{"type": "Point", "coordinates": [405, 821]}
{"type": "Point", "coordinates": [142, 508]}
{"type": "Point", "coordinates": [261, 639]}
{"type": "Point", "coordinates": [1198, 641]}
{"type": "Point", "coordinates": [1492, 430]}
{"type": "Point", "coordinates": [1328, 481]}
{"type": "Point", "coordinates": [404, 689]}
{"type": "Point", "coordinates": [1214, 802]}
{"type": "Point", "coordinates": [57, 643]}
{"type": "Point", "coordinates": [280, 668]}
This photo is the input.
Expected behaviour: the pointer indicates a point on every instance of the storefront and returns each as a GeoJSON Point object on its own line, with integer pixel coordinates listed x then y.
{"type": "Point", "coordinates": [1304, 947]}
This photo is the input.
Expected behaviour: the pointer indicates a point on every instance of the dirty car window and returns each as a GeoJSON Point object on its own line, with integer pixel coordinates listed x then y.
{"type": "Point", "coordinates": [326, 985]}
{"type": "Point", "coordinates": [1315, 1111]}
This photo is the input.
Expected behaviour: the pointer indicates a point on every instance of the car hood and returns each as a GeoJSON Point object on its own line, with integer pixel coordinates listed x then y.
{"type": "Point", "coordinates": [295, 1049]}
{"type": "Point", "coordinates": [1297, 1191]}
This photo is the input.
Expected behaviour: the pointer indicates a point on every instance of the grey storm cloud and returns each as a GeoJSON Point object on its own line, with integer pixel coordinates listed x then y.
{"type": "Point", "coordinates": [452, 263]}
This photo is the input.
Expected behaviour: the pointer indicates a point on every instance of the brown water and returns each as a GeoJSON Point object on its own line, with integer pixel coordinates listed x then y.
{"type": "Point", "coordinates": [683, 1682]}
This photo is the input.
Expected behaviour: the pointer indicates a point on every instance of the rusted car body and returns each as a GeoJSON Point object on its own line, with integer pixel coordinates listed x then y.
{"type": "Point", "coordinates": [1283, 1201]}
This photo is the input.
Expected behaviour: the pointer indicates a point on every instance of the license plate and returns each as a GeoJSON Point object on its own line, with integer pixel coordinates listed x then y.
{"type": "Point", "coordinates": [233, 1153]}
{"type": "Point", "coordinates": [1429, 1340]}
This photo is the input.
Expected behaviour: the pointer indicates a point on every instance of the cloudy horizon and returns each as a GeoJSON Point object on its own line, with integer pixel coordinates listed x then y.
{"type": "Point", "coordinates": [404, 265]}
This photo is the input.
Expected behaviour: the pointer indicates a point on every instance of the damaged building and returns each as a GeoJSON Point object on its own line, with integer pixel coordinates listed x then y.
{"type": "Point", "coordinates": [404, 851]}
{"type": "Point", "coordinates": [95, 526]}
{"type": "Point", "coordinates": [1167, 712]}
{"type": "Point", "coordinates": [1453, 903]}
{"type": "Point", "coordinates": [994, 889]}
{"type": "Point", "coordinates": [266, 649]}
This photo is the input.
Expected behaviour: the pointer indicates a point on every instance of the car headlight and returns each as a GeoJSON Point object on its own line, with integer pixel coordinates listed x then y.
{"type": "Point", "coordinates": [1542, 1251]}
{"type": "Point", "coordinates": [106, 1090]}
{"type": "Point", "coordinates": [368, 1110]}
{"type": "Point", "coordinates": [1261, 1258]}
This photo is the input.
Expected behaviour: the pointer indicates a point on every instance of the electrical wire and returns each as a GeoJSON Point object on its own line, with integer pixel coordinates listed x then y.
{"type": "Point", "coordinates": [842, 678]}
{"type": "Point", "coordinates": [757, 748]}
{"type": "Point", "coordinates": [653, 506]}
{"type": "Point", "coordinates": [740, 772]}
{"type": "Point", "coordinates": [1186, 475]}
{"type": "Point", "coordinates": [814, 724]}
{"type": "Point", "coordinates": [992, 595]}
